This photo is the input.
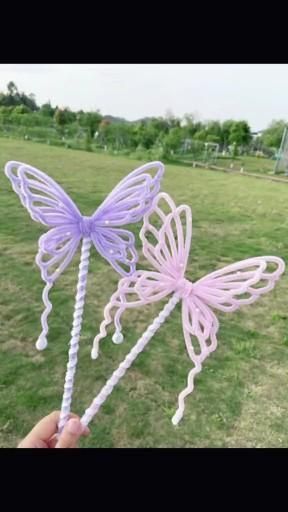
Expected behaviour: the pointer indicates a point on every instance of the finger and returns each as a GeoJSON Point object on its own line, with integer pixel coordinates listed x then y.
{"type": "Point", "coordinates": [86, 430]}
{"type": "Point", "coordinates": [41, 432]}
{"type": "Point", "coordinates": [42, 435]}
{"type": "Point", "coordinates": [46, 427]}
{"type": "Point", "coordinates": [70, 434]}
{"type": "Point", "coordinates": [32, 443]}
{"type": "Point", "coordinates": [54, 440]}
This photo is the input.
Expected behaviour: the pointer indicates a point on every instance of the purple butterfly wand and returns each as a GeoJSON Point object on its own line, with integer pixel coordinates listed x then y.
{"type": "Point", "coordinates": [48, 204]}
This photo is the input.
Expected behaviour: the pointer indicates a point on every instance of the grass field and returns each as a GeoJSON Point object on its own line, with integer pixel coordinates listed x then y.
{"type": "Point", "coordinates": [251, 164]}
{"type": "Point", "coordinates": [240, 398]}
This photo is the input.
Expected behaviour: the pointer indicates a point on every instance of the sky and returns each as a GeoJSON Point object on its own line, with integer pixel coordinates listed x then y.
{"type": "Point", "coordinates": [257, 93]}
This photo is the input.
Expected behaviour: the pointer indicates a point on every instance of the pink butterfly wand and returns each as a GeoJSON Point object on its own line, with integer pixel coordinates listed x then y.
{"type": "Point", "coordinates": [48, 204]}
{"type": "Point", "coordinates": [225, 290]}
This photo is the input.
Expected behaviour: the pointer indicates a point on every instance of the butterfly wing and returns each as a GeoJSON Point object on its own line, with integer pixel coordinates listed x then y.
{"type": "Point", "coordinates": [240, 283]}
{"type": "Point", "coordinates": [126, 204]}
{"type": "Point", "coordinates": [11, 171]}
{"type": "Point", "coordinates": [118, 247]}
{"type": "Point", "coordinates": [47, 203]}
{"type": "Point", "coordinates": [56, 250]}
{"type": "Point", "coordinates": [226, 290]}
{"type": "Point", "coordinates": [44, 199]}
{"type": "Point", "coordinates": [132, 197]}
{"type": "Point", "coordinates": [200, 326]}
{"type": "Point", "coordinates": [166, 236]}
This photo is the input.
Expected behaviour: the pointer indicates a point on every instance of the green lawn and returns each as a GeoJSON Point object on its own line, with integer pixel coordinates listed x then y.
{"type": "Point", "coordinates": [240, 398]}
{"type": "Point", "coordinates": [251, 164]}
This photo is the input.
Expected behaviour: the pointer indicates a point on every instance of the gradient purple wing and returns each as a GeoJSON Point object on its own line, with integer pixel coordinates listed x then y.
{"type": "Point", "coordinates": [44, 199]}
{"type": "Point", "coordinates": [132, 197]}
{"type": "Point", "coordinates": [118, 247]}
{"type": "Point", "coordinates": [127, 204]}
{"type": "Point", "coordinates": [56, 250]}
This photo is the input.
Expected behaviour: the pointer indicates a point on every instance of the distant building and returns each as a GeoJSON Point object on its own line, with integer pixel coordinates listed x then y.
{"type": "Point", "coordinates": [255, 135]}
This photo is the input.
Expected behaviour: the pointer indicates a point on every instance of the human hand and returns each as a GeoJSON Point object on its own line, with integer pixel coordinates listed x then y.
{"type": "Point", "coordinates": [44, 434]}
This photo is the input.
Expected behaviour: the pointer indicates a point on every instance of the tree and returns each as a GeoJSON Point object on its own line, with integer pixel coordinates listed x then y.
{"type": "Point", "coordinates": [64, 116]}
{"type": "Point", "coordinates": [226, 131]}
{"type": "Point", "coordinates": [59, 117]}
{"type": "Point", "coordinates": [12, 89]}
{"type": "Point", "coordinates": [173, 121]}
{"type": "Point", "coordinates": [29, 101]}
{"type": "Point", "coordinates": [240, 133]}
{"type": "Point", "coordinates": [21, 109]}
{"type": "Point", "coordinates": [13, 98]}
{"type": "Point", "coordinates": [90, 120]}
{"type": "Point", "coordinates": [272, 136]}
{"type": "Point", "coordinates": [214, 131]}
{"type": "Point", "coordinates": [173, 139]}
{"type": "Point", "coordinates": [47, 110]}
{"type": "Point", "coordinates": [213, 138]}
{"type": "Point", "coordinates": [201, 135]}
{"type": "Point", "coordinates": [104, 131]}
{"type": "Point", "coordinates": [146, 134]}
{"type": "Point", "coordinates": [191, 124]}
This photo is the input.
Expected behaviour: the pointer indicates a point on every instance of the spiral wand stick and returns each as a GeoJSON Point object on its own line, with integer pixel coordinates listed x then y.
{"type": "Point", "coordinates": [123, 367]}
{"type": "Point", "coordinates": [75, 333]}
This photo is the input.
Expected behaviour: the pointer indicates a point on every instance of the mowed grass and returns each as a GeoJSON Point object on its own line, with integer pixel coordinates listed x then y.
{"type": "Point", "coordinates": [240, 397]}
{"type": "Point", "coordinates": [251, 164]}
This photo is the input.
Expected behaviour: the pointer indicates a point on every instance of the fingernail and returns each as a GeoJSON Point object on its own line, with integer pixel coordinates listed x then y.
{"type": "Point", "coordinates": [74, 426]}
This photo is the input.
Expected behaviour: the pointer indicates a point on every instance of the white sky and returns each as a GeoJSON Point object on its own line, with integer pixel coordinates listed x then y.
{"type": "Point", "coordinates": [255, 92]}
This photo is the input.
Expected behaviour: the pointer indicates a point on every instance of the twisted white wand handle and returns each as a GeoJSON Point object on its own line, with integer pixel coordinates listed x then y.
{"type": "Point", "coordinates": [75, 333]}
{"type": "Point", "coordinates": [123, 367]}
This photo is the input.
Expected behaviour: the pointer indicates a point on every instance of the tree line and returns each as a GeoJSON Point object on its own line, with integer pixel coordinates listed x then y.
{"type": "Point", "coordinates": [171, 133]}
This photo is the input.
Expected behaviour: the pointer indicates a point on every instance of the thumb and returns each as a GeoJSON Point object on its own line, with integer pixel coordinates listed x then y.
{"type": "Point", "coordinates": [70, 434]}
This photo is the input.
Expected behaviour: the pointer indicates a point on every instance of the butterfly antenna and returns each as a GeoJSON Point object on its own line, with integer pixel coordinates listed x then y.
{"type": "Point", "coordinates": [42, 343]}
{"type": "Point", "coordinates": [118, 336]}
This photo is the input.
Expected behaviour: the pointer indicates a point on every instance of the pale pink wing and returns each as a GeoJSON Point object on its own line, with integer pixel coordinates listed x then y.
{"type": "Point", "coordinates": [166, 236]}
{"type": "Point", "coordinates": [143, 287]}
{"type": "Point", "coordinates": [200, 326]}
{"type": "Point", "coordinates": [241, 283]}
{"type": "Point", "coordinates": [226, 289]}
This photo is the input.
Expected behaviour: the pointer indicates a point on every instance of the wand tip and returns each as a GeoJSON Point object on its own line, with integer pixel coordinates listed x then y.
{"type": "Point", "coordinates": [41, 343]}
{"type": "Point", "coordinates": [176, 418]}
{"type": "Point", "coordinates": [117, 337]}
{"type": "Point", "coordinates": [94, 353]}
